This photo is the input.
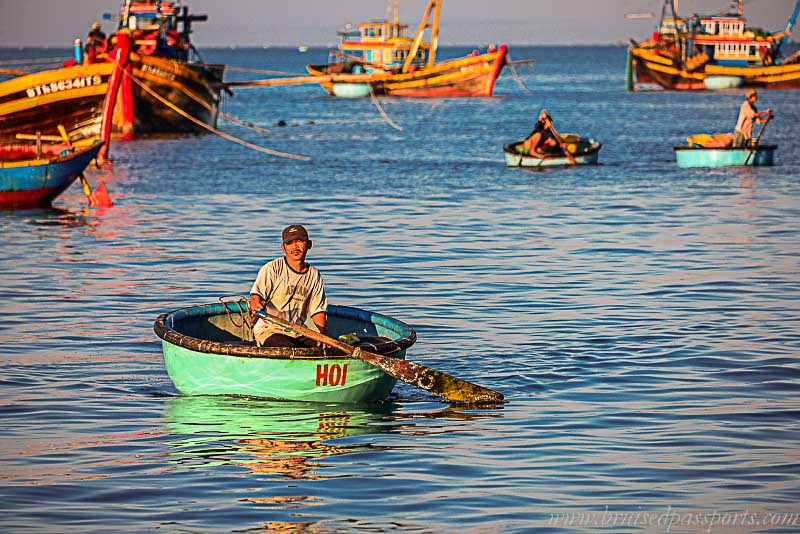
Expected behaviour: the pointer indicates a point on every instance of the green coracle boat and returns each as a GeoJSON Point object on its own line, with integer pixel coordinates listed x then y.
{"type": "Point", "coordinates": [209, 350]}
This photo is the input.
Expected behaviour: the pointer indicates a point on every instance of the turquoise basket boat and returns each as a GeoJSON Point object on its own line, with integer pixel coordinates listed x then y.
{"type": "Point", "coordinates": [209, 350]}
{"type": "Point", "coordinates": [688, 156]}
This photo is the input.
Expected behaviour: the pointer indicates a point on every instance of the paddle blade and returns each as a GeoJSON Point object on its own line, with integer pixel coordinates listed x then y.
{"type": "Point", "coordinates": [447, 386]}
{"type": "Point", "coordinates": [100, 198]}
{"type": "Point", "coordinates": [451, 388]}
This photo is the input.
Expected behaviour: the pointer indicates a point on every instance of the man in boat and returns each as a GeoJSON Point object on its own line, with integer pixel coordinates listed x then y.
{"type": "Point", "coordinates": [541, 138]}
{"type": "Point", "coordinates": [291, 289]}
{"type": "Point", "coordinates": [95, 43]}
{"type": "Point", "coordinates": [743, 134]}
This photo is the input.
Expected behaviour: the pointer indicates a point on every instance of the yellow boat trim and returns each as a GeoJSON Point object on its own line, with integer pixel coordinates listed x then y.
{"type": "Point", "coordinates": [676, 72]}
{"type": "Point", "coordinates": [650, 57]}
{"type": "Point", "coordinates": [24, 163]}
{"type": "Point", "coordinates": [23, 83]}
{"type": "Point", "coordinates": [21, 105]}
{"type": "Point", "coordinates": [772, 70]}
{"type": "Point", "coordinates": [781, 78]}
{"type": "Point", "coordinates": [436, 80]}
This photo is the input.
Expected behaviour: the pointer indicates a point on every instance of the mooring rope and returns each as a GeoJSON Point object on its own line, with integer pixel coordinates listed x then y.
{"type": "Point", "coordinates": [377, 104]}
{"type": "Point", "coordinates": [516, 76]}
{"type": "Point", "coordinates": [244, 124]}
{"type": "Point", "coordinates": [211, 128]}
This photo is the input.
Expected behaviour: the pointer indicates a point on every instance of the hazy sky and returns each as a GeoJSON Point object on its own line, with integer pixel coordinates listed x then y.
{"type": "Point", "coordinates": [315, 22]}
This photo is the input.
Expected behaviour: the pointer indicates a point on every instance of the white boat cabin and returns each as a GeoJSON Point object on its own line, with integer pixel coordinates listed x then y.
{"type": "Point", "coordinates": [379, 43]}
{"type": "Point", "coordinates": [727, 40]}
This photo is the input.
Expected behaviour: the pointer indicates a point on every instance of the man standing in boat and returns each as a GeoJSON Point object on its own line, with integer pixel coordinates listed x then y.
{"type": "Point", "coordinates": [743, 134]}
{"type": "Point", "coordinates": [291, 289]}
{"type": "Point", "coordinates": [95, 43]}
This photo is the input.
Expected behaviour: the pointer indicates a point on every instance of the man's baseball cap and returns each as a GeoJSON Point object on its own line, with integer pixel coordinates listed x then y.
{"type": "Point", "coordinates": [293, 233]}
{"type": "Point", "coordinates": [751, 92]}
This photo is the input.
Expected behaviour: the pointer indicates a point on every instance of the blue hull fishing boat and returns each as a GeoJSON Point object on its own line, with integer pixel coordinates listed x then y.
{"type": "Point", "coordinates": [690, 156]}
{"type": "Point", "coordinates": [32, 175]}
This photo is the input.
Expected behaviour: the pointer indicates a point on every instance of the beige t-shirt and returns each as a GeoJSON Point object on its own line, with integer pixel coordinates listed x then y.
{"type": "Point", "coordinates": [290, 295]}
{"type": "Point", "coordinates": [744, 124]}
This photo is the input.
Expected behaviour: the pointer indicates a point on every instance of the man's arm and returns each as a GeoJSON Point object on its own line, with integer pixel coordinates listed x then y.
{"type": "Point", "coordinates": [321, 320]}
{"type": "Point", "coordinates": [256, 302]}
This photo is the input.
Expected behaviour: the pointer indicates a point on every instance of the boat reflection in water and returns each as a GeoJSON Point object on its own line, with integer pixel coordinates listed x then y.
{"type": "Point", "coordinates": [284, 439]}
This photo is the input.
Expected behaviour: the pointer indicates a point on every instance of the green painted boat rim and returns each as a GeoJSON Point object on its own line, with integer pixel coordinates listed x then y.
{"type": "Point", "coordinates": [164, 329]}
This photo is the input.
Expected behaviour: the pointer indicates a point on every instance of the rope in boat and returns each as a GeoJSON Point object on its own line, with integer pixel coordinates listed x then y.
{"type": "Point", "coordinates": [377, 104]}
{"type": "Point", "coordinates": [211, 128]}
{"type": "Point", "coordinates": [516, 76]}
{"type": "Point", "coordinates": [242, 305]}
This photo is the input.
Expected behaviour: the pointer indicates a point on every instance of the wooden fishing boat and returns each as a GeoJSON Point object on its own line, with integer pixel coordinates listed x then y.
{"type": "Point", "coordinates": [380, 58]}
{"type": "Point", "coordinates": [33, 174]}
{"type": "Point", "coordinates": [39, 102]}
{"type": "Point", "coordinates": [209, 350]}
{"type": "Point", "coordinates": [713, 52]}
{"type": "Point", "coordinates": [695, 156]}
{"type": "Point", "coordinates": [163, 87]}
{"type": "Point", "coordinates": [585, 151]}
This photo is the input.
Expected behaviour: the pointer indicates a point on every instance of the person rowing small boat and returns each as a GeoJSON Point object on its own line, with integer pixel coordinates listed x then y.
{"type": "Point", "coordinates": [541, 140]}
{"type": "Point", "coordinates": [731, 150]}
{"type": "Point", "coordinates": [748, 114]}
{"type": "Point", "coordinates": [545, 147]}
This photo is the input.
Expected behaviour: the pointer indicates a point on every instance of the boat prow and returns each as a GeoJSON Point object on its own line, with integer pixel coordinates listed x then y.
{"type": "Point", "coordinates": [33, 175]}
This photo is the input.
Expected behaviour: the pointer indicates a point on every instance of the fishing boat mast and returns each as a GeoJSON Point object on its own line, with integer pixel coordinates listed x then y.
{"type": "Point", "coordinates": [789, 25]}
{"type": "Point", "coordinates": [435, 7]}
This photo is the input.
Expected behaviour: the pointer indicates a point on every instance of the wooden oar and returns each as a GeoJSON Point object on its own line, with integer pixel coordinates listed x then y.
{"type": "Point", "coordinates": [560, 141]}
{"type": "Point", "coordinates": [451, 388]}
{"type": "Point", "coordinates": [755, 144]}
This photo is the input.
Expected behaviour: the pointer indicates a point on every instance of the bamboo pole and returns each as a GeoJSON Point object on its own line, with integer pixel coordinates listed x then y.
{"type": "Point", "coordinates": [298, 80]}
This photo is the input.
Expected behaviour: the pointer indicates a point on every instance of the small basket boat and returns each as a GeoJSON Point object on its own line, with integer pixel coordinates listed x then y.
{"type": "Point", "coordinates": [209, 350]}
{"type": "Point", "coordinates": [694, 156]}
{"type": "Point", "coordinates": [585, 151]}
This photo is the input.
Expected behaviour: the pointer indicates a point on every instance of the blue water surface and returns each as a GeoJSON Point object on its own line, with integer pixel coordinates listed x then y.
{"type": "Point", "coordinates": [642, 320]}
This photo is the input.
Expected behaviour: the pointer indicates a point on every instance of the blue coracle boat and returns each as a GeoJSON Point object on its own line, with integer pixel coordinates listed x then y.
{"type": "Point", "coordinates": [690, 156]}
{"type": "Point", "coordinates": [32, 175]}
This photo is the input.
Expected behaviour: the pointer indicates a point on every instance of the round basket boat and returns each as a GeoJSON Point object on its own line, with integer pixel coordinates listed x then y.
{"type": "Point", "coordinates": [209, 350]}
{"type": "Point", "coordinates": [350, 90]}
{"type": "Point", "coordinates": [721, 82]}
